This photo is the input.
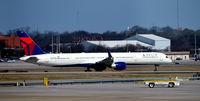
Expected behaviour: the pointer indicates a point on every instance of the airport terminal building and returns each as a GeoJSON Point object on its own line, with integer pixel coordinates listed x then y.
{"type": "Point", "coordinates": [147, 40]}
{"type": "Point", "coordinates": [178, 55]}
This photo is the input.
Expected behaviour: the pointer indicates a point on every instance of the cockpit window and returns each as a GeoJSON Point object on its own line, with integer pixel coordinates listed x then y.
{"type": "Point", "coordinates": [166, 56]}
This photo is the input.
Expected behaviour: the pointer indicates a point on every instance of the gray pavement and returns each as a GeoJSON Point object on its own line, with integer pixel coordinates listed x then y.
{"type": "Point", "coordinates": [19, 65]}
{"type": "Point", "coordinates": [187, 91]}
{"type": "Point", "coordinates": [106, 72]}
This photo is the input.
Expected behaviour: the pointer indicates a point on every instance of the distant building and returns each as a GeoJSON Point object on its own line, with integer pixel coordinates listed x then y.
{"type": "Point", "coordinates": [157, 42]}
{"type": "Point", "coordinates": [146, 40]}
{"type": "Point", "coordinates": [113, 43]}
{"type": "Point", "coordinates": [89, 38]}
{"type": "Point", "coordinates": [178, 55]}
{"type": "Point", "coordinates": [10, 42]}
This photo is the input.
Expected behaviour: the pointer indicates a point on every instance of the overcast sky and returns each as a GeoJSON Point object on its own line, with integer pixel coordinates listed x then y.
{"type": "Point", "coordinates": [97, 15]}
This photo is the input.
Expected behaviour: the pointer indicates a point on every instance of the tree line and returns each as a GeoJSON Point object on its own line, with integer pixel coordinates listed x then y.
{"type": "Point", "coordinates": [181, 40]}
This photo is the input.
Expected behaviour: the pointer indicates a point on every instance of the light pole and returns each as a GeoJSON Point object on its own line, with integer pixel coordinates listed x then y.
{"type": "Point", "coordinates": [127, 40]}
{"type": "Point", "coordinates": [195, 44]}
{"type": "Point", "coordinates": [52, 43]}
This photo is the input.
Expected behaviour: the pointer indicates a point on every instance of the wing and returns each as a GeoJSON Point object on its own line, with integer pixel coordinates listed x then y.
{"type": "Point", "coordinates": [101, 65]}
{"type": "Point", "coordinates": [107, 62]}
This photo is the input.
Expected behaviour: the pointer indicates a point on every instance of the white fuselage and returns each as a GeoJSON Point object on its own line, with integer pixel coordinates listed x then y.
{"type": "Point", "coordinates": [77, 59]}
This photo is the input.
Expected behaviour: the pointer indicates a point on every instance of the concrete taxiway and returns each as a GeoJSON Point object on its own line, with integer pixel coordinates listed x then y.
{"type": "Point", "coordinates": [187, 91]}
{"type": "Point", "coordinates": [88, 73]}
{"type": "Point", "coordinates": [20, 66]}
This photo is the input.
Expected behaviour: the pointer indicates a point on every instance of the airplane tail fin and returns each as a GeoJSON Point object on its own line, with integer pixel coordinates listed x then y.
{"type": "Point", "coordinates": [30, 47]}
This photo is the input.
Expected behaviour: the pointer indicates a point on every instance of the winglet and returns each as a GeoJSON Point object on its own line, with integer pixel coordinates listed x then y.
{"type": "Point", "coordinates": [109, 54]}
{"type": "Point", "coordinates": [30, 47]}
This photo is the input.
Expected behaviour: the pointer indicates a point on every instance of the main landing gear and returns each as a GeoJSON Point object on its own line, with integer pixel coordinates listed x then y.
{"type": "Point", "coordinates": [88, 69]}
{"type": "Point", "coordinates": [156, 67]}
{"type": "Point", "coordinates": [97, 68]}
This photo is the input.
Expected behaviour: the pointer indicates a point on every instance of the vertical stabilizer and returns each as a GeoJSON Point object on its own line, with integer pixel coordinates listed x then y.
{"type": "Point", "coordinates": [30, 47]}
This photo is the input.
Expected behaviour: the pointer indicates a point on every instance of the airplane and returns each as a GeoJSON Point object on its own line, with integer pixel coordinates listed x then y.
{"type": "Point", "coordinates": [97, 61]}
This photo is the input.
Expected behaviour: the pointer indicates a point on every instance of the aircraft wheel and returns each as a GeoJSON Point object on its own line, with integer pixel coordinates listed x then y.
{"type": "Point", "coordinates": [171, 84]}
{"type": "Point", "coordinates": [100, 68]}
{"type": "Point", "coordinates": [151, 85]}
{"type": "Point", "coordinates": [88, 69]}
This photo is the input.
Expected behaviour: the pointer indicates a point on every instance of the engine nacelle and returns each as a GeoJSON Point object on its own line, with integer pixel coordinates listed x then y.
{"type": "Point", "coordinates": [119, 65]}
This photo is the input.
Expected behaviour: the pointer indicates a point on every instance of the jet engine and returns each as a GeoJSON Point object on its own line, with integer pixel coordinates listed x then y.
{"type": "Point", "coordinates": [119, 65]}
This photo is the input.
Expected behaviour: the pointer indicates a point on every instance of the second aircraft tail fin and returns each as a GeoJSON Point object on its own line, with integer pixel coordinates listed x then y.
{"type": "Point", "coordinates": [30, 47]}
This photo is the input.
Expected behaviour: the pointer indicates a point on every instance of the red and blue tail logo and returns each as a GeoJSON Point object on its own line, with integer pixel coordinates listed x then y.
{"type": "Point", "coordinates": [30, 47]}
